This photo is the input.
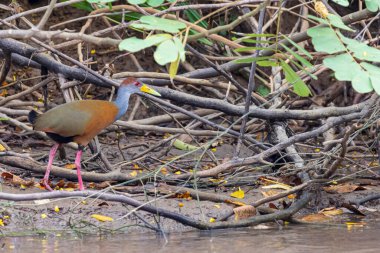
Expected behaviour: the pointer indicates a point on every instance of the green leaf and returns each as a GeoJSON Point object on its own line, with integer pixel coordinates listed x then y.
{"type": "Point", "coordinates": [344, 3]}
{"type": "Point", "coordinates": [82, 6]}
{"type": "Point", "coordinates": [343, 65]}
{"type": "Point", "coordinates": [258, 41]}
{"type": "Point", "coordinates": [201, 40]}
{"type": "Point", "coordinates": [320, 20]}
{"type": "Point", "coordinates": [100, 1]}
{"type": "Point", "coordinates": [244, 49]}
{"type": "Point", "coordinates": [154, 23]}
{"type": "Point", "coordinates": [300, 88]}
{"type": "Point", "coordinates": [135, 44]}
{"type": "Point", "coordinates": [325, 39]}
{"type": "Point", "coordinates": [136, 1]}
{"type": "Point", "coordinates": [180, 48]}
{"type": "Point", "coordinates": [252, 59]}
{"type": "Point", "coordinates": [260, 35]}
{"type": "Point", "coordinates": [361, 50]}
{"type": "Point", "coordinates": [361, 82]}
{"type": "Point", "coordinates": [372, 5]}
{"type": "Point", "coordinates": [347, 69]}
{"type": "Point", "coordinates": [374, 75]}
{"type": "Point", "coordinates": [155, 3]}
{"type": "Point", "coordinates": [304, 70]}
{"type": "Point", "coordinates": [337, 22]}
{"type": "Point", "coordinates": [166, 52]}
{"type": "Point", "coordinates": [267, 63]}
{"type": "Point", "coordinates": [194, 16]}
{"type": "Point", "coordinates": [298, 57]}
{"type": "Point", "coordinates": [263, 90]}
{"type": "Point", "coordinates": [299, 47]}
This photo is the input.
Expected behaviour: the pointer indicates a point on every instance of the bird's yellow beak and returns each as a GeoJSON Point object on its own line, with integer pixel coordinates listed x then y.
{"type": "Point", "coordinates": [146, 89]}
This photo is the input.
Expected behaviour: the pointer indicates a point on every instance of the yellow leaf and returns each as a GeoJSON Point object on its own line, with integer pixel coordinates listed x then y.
{"type": "Point", "coordinates": [56, 209]}
{"type": "Point", "coordinates": [317, 150]}
{"type": "Point", "coordinates": [180, 204]}
{"type": "Point", "coordinates": [133, 173]}
{"type": "Point", "coordinates": [6, 217]}
{"type": "Point", "coordinates": [3, 93]}
{"type": "Point", "coordinates": [2, 148]}
{"type": "Point", "coordinates": [213, 149]}
{"type": "Point", "coordinates": [102, 218]}
{"type": "Point", "coordinates": [177, 172]}
{"type": "Point", "coordinates": [164, 171]}
{"type": "Point", "coordinates": [212, 220]}
{"type": "Point", "coordinates": [1, 223]}
{"type": "Point", "coordinates": [239, 194]}
{"type": "Point", "coordinates": [218, 180]}
{"type": "Point", "coordinates": [43, 216]}
{"type": "Point", "coordinates": [173, 68]}
{"type": "Point", "coordinates": [351, 225]}
{"type": "Point", "coordinates": [70, 166]}
{"type": "Point", "coordinates": [331, 212]}
{"type": "Point", "coordinates": [217, 206]}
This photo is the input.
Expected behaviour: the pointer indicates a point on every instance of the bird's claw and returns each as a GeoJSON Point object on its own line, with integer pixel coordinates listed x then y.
{"type": "Point", "coordinates": [47, 186]}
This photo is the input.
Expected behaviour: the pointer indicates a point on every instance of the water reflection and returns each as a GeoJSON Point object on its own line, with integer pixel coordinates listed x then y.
{"type": "Point", "coordinates": [289, 239]}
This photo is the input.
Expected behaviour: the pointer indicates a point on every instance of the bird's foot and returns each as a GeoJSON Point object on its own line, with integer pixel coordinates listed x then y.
{"type": "Point", "coordinates": [46, 184]}
{"type": "Point", "coordinates": [81, 187]}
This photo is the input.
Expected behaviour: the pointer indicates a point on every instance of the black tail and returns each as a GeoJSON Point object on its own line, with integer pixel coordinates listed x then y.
{"type": "Point", "coordinates": [32, 117]}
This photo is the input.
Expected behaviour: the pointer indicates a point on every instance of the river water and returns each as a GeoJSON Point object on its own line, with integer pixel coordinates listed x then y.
{"type": "Point", "coordinates": [321, 238]}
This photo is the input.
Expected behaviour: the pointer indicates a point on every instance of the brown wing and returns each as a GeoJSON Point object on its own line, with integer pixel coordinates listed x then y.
{"type": "Point", "coordinates": [83, 118]}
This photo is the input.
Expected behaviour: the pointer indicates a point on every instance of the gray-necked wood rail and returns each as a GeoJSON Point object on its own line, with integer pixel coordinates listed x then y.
{"type": "Point", "coordinates": [80, 121]}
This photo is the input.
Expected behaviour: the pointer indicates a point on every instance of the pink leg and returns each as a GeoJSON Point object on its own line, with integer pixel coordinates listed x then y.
{"type": "Point", "coordinates": [78, 165]}
{"type": "Point", "coordinates": [52, 153]}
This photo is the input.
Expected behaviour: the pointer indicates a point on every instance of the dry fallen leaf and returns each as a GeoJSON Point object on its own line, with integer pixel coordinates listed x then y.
{"type": "Point", "coordinates": [278, 186]}
{"type": "Point", "coordinates": [343, 188]}
{"type": "Point", "coordinates": [102, 218]}
{"type": "Point", "coordinates": [316, 217]}
{"type": "Point", "coordinates": [236, 203]}
{"type": "Point", "coordinates": [270, 193]}
{"type": "Point", "coordinates": [244, 212]}
{"type": "Point", "coordinates": [331, 211]}
{"type": "Point", "coordinates": [16, 180]}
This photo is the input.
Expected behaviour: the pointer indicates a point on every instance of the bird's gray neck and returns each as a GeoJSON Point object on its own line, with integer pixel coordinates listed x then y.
{"type": "Point", "coordinates": [122, 101]}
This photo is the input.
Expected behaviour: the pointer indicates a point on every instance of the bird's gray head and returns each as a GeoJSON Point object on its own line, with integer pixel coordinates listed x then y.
{"type": "Point", "coordinates": [132, 85]}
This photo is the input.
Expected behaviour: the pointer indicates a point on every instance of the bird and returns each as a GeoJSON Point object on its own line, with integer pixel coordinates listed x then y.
{"type": "Point", "coordinates": [80, 121]}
